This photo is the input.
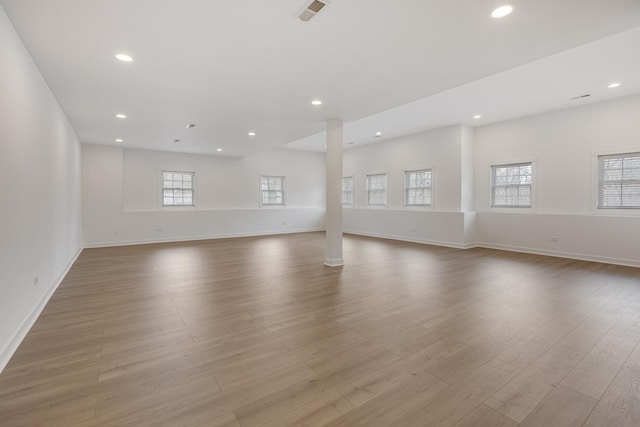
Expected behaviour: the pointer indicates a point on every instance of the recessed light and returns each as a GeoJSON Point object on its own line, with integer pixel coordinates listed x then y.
{"type": "Point", "coordinates": [614, 85]}
{"type": "Point", "coordinates": [316, 102]}
{"type": "Point", "coordinates": [477, 116]}
{"type": "Point", "coordinates": [121, 116]}
{"type": "Point", "coordinates": [351, 143]}
{"type": "Point", "coordinates": [502, 11]}
{"type": "Point", "coordinates": [378, 134]}
{"type": "Point", "coordinates": [218, 149]}
{"type": "Point", "coordinates": [191, 125]}
{"type": "Point", "coordinates": [119, 140]}
{"type": "Point", "coordinates": [176, 141]}
{"type": "Point", "coordinates": [124, 58]}
{"type": "Point", "coordinates": [251, 134]}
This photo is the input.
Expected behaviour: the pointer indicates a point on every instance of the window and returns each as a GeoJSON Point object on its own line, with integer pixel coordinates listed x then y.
{"type": "Point", "coordinates": [619, 181]}
{"type": "Point", "coordinates": [177, 188]}
{"type": "Point", "coordinates": [511, 185]}
{"type": "Point", "coordinates": [347, 191]}
{"type": "Point", "coordinates": [418, 188]}
{"type": "Point", "coordinates": [377, 190]}
{"type": "Point", "coordinates": [272, 190]}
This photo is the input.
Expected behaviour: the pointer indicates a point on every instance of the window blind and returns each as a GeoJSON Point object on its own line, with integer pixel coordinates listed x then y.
{"type": "Point", "coordinates": [511, 185]}
{"type": "Point", "coordinates": [347, 190]}
{"type": "Point", "coordinates": [272, 188]}
{"type": "Point", "coordinates": [377, 190]}
{"type": "Point", "coordinates": [177, 188]}
{"type": "Point", "coordinates": [619, 181]}
{"type": "Point", "coordinates": [418, 187]}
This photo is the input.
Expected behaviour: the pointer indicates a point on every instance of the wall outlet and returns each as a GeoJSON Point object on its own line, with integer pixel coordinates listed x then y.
{"type": "Point", "coordinates": [35, 280]}
{"type": "Point", "coordinates": [555, 239]}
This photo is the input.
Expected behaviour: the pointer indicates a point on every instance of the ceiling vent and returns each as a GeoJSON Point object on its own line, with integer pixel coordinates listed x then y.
{"type": "Point", "coordinates": [311, 10]}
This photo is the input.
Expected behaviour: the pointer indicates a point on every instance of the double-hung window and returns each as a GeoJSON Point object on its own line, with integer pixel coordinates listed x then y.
{"type": "Point", "coordinates": [347, 191]}
{"type": "Point", "coordinates": [511, 185]}
{"type": "Point", "coordinates": [177, 188]}
{"type": "Point", "coordinates": [272, 190]}
{"type": "Point", "coordinates": [619, 181]}
{"type": "Point", "coordinates": [377, 190]}
{"type": "Point", "coordinates": [418, 187]}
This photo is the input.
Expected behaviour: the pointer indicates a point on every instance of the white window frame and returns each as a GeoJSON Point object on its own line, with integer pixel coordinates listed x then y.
{"type": "Point", "coordinates": [353, 192]}
{"type": "Point", "coordinates": [283, 191]}
{"type": "Point", "coordinates": [599, 162]}
{"type": "Point", "coordinates": [407, 188]}
{"type": "Point", "coordinates": [386, 190]}
{"type": "Point", "coordinates": [514, 208]}
{"type": "Point", "coordinates": [163, 188]}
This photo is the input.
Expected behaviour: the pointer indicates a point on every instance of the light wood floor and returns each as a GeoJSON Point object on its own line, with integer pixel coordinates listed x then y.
{"type": "Point", "coordinates": [256, 331]}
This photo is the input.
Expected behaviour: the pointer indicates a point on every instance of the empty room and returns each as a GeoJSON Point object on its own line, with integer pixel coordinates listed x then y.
{"type": "Point", "coordinates": [320, 213]}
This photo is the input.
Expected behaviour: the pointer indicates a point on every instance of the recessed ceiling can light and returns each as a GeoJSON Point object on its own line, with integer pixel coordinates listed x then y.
{"type": "Point", "coordinates": [316, 102]}
{"type": "Point", "coordinates": [119, 140]}
{"type": "Point", "coordinates": [176, 141]}
{"type": "Point", "coordinates": [251, 134]}
{"type": "Point", "coordinates": [218, 149]}
{"type": "Point", "coordinates": [124, 58]}
{"type": "Point", "coordinates": [614, 85]}
{"type": "Point", "coordinates": [477, 116]}
{"type": "Point", "coordinates": [502, 11]}
{"type": "Point", "coordinates": [191, 125]}
{"type": "Point", "coordinates": [378, 134]}
{"type": "Point", "coordinates": [121, 116]}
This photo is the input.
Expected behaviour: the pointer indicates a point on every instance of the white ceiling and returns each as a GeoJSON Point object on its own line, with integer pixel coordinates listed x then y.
{"type": "Point", "coordinates": [251, 65]}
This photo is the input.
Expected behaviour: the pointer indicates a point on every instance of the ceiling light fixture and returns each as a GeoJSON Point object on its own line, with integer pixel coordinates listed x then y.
{"type": "Point", "coordinates": [121, 116]}
{"type": "Point", "coordinates": [218, 149]}
{"type": "Point", "coordinates": [502, 11]}
{"type": "Point", "coordinates": [191, 125]}
{"type": "Point", "coordinates": [124, 58]}
{"type": "Point", "coordinates": [614, 85]}
{"type": "Point", "coordinates": [119, 140]}
{"type": "Point", "coordinates": [477, 116]}
{"type": "Point", "coordinates": [316, 102]}
{"type": "Point", "coordinates": [378, 134]}
{"type": "Point", "coordinates": [176, 141]}
{"type": "Point", "coordinates": [251, 134]}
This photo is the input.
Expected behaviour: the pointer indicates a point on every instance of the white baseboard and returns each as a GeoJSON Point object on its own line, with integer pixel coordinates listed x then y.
{"type": "Point", "coordinates": [412, 240]}
{"type": "Point", "coordinates": [201, 237]}
{"type": "Point", "coordinates": [561, 254]}
{"type": "Point", "coordinates": [7, 352]}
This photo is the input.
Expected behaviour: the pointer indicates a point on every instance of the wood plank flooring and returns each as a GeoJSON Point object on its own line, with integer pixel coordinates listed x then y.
{"type": "Point", "coordinates": [256, 331]}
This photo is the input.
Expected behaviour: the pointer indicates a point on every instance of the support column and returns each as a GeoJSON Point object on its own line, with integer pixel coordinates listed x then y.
{"type": "Point", "coordinates": [333, 252]}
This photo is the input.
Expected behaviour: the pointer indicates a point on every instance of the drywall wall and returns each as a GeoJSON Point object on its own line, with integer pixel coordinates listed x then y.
{"type": "Point", "coordinates": [40, 218]}
{"type": "Point", "coordinates": [122, 187]}
{"type": "Point", "coordinates": [564, 146]}
{"type": "Point", "coordinates": [449, 153]}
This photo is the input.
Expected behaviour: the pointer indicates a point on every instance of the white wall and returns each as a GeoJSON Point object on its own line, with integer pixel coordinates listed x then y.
{"type": "Point", "coordinates": [564, 145]}
{"type": "Point", "coordinates": [40, 229]}
{"type": "Point", "coordinates": [121, 195]}
{"type": "Point", "coordinates": [447, 152]}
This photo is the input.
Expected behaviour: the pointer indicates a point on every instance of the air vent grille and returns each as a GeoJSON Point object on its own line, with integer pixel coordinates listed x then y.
{"type": "Point", "coordinates": [311, 10]}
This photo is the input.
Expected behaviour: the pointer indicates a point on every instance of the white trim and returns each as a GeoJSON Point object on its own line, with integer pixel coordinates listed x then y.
{"type": "Point", "coordinates": [561, 254]}
{"type": "Point", "coordinates": [413, 240]}
{"type": "Point", "coordinates": [284, 191]}
{"type": "Point", "coordinates": [200, 237]}
{"type": "Point", "coordinates": [337, 262]}
{"type": "Point", "coordinates": [428, 207]}
{"type": "Point", "coordinates": [7, 352]}
{"type": "Point", "coordinates": [595, 188]}
{"type": "Point", "coordinates": [386, 190]}
{"type": "Point", "coordinates": [162, 206]}
{"type": "Point", "coordinates": [534, 188]}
